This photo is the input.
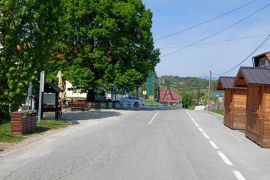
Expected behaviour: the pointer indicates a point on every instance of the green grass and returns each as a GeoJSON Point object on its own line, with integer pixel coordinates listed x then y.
{"type": "Point", "coordinates": [148, 102]}
{"type": "Point", "coordinates": [6, 136]}
{"type": "Point", "coordinates": [42, 126]}
{"type": "Point", "coordinates": [221, 112]}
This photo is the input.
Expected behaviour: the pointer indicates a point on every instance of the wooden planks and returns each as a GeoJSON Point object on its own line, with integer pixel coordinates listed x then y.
{"type": "Point", "coordinates": [235, 108]}
{"type": "Point", "coordinates": [258, 115]}
{"type": "Point", "coordinates": [23, 122]}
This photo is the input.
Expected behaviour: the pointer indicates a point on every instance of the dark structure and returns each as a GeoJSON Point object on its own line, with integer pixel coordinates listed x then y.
{"type": "Point", "coordinates": [257, 81]}
{"type": "Point", "coordinates": [51, 101]}
{"type": "Point", "coordinates": [234, 103]}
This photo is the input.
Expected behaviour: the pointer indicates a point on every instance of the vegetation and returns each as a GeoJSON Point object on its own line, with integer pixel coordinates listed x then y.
{"type": "Point", "coordinates": [194, 90]}
{"type": "Point", "coordinates": [42, 126]}
{"type": "Point", "coordinates": [93, 43]}
{"type": "Point", "coordinates": [221, 112]}
{"type": "Point", "coordinates": [149, 102]}
{"type": "Point", "coordinates": [29, 31]}
{"type": "Point", "coordinates": [187, 100]}
{"type": "Point", "coordinates": [110, 42]}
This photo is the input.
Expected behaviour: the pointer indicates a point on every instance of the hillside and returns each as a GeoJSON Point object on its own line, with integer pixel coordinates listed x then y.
{"type": "Point", "coordinates": [183, 84]}
{"type": "Point", "coordinates": [196, 88]}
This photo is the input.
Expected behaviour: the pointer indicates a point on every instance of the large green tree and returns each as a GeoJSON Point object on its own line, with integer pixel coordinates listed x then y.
{"type": "Point", "coordinates": [29, 30]}
{"type": "Point", "coordinates": [108, 42]}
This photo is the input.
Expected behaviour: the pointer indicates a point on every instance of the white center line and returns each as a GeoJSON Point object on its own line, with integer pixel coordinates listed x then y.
{"type": "Point", "coordinates": [200, 129]}
{"type": "Point", "coordinates": [224, 158]}
{"type": "Point", "coordinates": [206, 136]}
{"type": "Point", "coordinates": [153, 118]}
{"type": "Point", "coordinates": [239, 175]}
{"type": "Point", "coordinates": [213, 144]}
{"type": "Point", "coordinates": [193, 120]}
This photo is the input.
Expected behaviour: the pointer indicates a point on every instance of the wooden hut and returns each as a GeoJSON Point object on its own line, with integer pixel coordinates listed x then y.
{"type": "Point", "coordinates": [257, 81]}
{"type": "Point", "coordinates": [234, 103]}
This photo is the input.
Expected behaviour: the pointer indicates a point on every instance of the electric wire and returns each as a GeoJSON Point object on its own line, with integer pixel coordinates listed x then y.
{"type": "Point", "coordinates": [218, 32]}
{"type": "Point", "coordinates": [221, 41]}
{"type": "Point", "coordinates": [256, 49]}
{"type": "Point", "coordinates": [207, 21]}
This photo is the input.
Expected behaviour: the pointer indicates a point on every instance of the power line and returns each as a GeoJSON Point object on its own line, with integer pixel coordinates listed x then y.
{"type": "Point", "coordinates": [220, 31]}
{"type": "Point", "coordinates": [221, 41]}
{"type": "Point", "coordinates": [207, 21]}
{"type": "Point", "coordinates": [257, 48]}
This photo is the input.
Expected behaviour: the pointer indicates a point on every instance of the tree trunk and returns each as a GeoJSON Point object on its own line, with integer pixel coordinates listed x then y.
{"type": "Point", "coordinates": [91, 96]}
{"type": "Point", "coordinates": [4, 114]}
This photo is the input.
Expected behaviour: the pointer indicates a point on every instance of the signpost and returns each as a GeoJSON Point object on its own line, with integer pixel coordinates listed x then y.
{"type": "Point", "coordinates": [217, 94]}
{"type": "Point", "coordinates": [41, 90]}
{"type": "Point", "coordinates": [144, 93]}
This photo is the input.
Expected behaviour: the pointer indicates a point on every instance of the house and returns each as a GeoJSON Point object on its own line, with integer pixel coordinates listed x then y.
{"type": "Point", "coordinates": [169, 96]}
{"type": "Point", "coordinates": [257, 82]}
{"type": "Point", "coordinates": [234, 103]}
{"type": "Point", "coordinates": [262, 60]}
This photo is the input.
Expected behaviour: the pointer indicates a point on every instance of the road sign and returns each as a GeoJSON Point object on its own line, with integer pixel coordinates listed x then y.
{"type": "Point", "coordinates": [217, 94]}
{"type": "Point", "coordinates": [144, 92]}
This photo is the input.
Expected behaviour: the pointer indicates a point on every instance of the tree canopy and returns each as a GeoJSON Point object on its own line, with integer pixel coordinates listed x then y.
{"type": "Point", "coordinates": [94, 42]}
{"type": "Point", "coordinates": [108, 42]}
{"type": "Point", "coordinates": [29, 30]}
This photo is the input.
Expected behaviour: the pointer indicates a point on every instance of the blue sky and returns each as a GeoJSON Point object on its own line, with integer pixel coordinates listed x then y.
{"type": "Point", "coordinates": [170, 16]}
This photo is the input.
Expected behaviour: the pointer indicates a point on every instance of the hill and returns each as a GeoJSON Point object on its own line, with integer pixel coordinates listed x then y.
{"type": "Point", "coordinates": [185, 83]}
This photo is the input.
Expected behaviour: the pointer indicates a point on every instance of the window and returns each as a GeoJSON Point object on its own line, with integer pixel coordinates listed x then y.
{"type": "Point", "coordinates": [263, 62]}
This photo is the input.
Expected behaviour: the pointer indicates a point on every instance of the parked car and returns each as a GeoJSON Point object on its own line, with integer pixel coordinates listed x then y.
{"type": "Point", "coordinates": [132, 101]}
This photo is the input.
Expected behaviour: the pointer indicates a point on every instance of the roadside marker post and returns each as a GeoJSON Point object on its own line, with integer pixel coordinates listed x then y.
{"type": "Point", "coordinates": [41, 90]}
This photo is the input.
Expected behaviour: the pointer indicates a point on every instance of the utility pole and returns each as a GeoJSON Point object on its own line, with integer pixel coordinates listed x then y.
{"type": "Point", "coordinates": [209, 89]}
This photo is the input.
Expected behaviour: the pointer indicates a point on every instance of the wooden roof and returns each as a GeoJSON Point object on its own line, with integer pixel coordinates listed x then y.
{"type": "Point", "coordinates": [257, 58]}
{"type": "Point", "coordinates": [252, 76]}
{"type": "Point", "coordinates": [225, 83]}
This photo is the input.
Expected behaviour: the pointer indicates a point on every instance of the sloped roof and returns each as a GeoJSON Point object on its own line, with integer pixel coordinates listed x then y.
{"type": "Point", "coordinates": [248, 75]}
{"type": "Point", "coordinates": [52, 88]}
{"type": "Point", "coordinates": [167, 95]}
{"type": "Point", "coordinates": [225, 83]}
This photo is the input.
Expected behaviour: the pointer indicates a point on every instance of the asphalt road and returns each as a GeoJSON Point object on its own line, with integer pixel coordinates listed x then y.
{"type": "Point", "coordinates": [140, 145]}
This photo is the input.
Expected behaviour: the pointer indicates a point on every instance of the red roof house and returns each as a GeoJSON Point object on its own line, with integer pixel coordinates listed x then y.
{"type": "Point", "coordinates": [169, 96]}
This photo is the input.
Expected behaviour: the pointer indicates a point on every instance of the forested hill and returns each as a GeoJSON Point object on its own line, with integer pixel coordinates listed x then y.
{"type": "Point", "coordinates": [185, 83]}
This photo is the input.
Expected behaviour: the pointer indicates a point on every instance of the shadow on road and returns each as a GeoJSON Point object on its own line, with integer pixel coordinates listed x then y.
{"type": "Point", "coordinates": [88, 115]}
{"type": "Point", "coordinates": [100, 114]}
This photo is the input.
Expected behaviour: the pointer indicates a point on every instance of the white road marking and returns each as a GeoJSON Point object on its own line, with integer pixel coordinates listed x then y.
{"type": "Point", "coordinates": [193, 120]}
{"type": "Point", "coordinates": [227, 161]}
{"type": "Point", "coordinates": [153, 118]}
{"type": "Point", "coordinates": [206, 136]}
{"type": "Point", "coordinates": [224, 158]}
{"type": "Point", "coordinates": [213, 144]}
{"type": "Point", "coordinates": [239, 175]}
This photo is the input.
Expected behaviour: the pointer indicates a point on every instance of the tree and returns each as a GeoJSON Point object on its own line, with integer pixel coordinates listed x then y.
{"type": "Point", "coordinates": [29, 30]}
{"type": "Point", "coordinates": [108, 42]}
{"type": "Point", "coordinates": [187, 100]}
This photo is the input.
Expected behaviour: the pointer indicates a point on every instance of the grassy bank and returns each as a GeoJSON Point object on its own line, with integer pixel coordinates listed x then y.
{"type": "Point", "coordinates": [42, 126]}
{"type": "Point", "coordinates": [221, 112]}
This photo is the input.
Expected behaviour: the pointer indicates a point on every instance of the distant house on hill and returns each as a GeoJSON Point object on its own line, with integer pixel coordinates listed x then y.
{"type": "Point", "coordinates": [262, 60]}
{"type": "Point", "coordinates": [169, 96]}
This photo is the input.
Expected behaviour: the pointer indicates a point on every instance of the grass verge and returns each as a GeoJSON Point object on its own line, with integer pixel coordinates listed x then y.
{"type": "Point", "coordinates": [42, 126]}
{"type": "Point", "coordinates": [221, 112]}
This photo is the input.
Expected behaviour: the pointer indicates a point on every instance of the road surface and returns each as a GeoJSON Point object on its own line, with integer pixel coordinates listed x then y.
{"type": "Point", "coordinates": [140, 145]}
